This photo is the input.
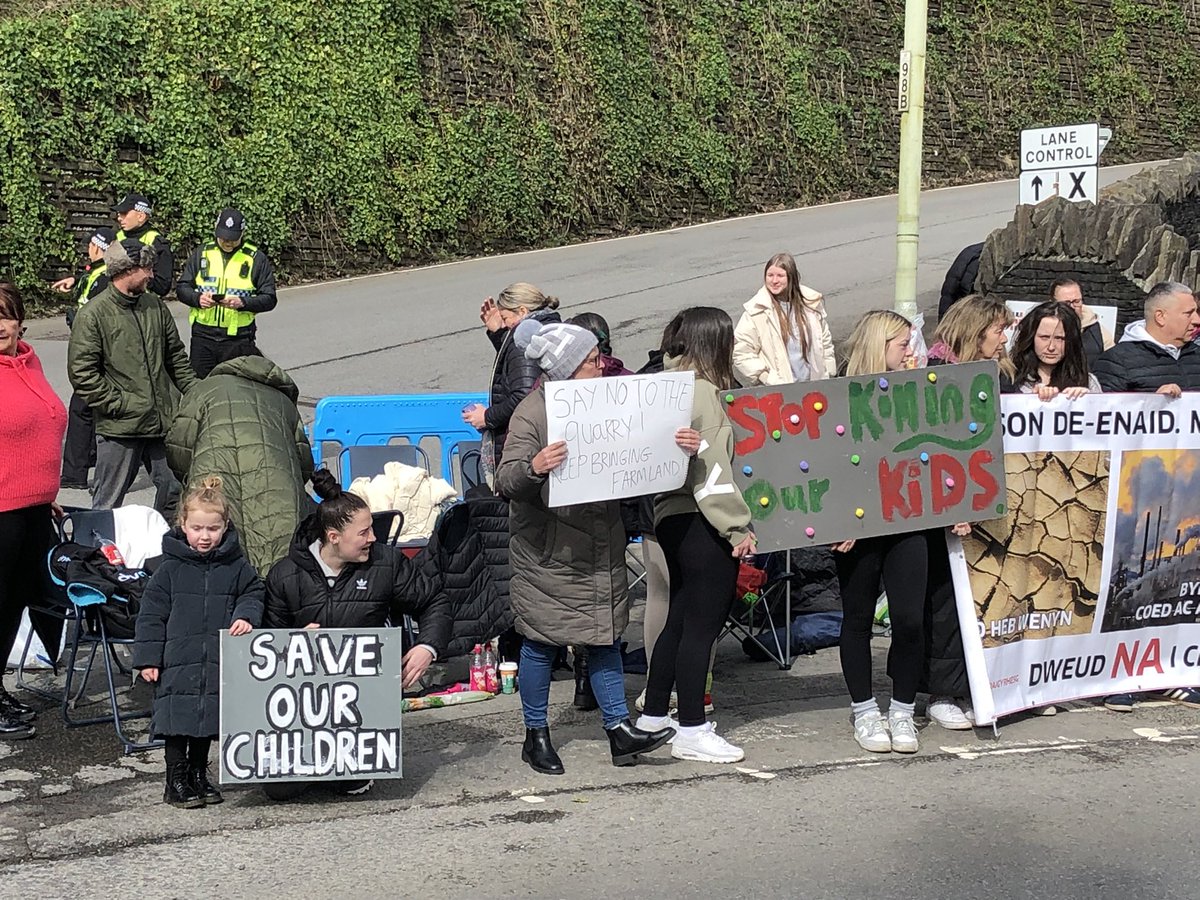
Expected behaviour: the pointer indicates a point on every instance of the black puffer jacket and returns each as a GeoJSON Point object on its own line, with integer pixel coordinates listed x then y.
{"type": "Point", "coordinates": [467, 560]}
{"type": "Point", "coordinates": [960, 278]}
{"type": "Point", "coordinates": [1137, 364]}
{"type": "Point", "coordinates": [365, 595]}
{"type": "Point", "coordinates": [189, 600]}
{"type": "Point", "coordinates": [513, 378]}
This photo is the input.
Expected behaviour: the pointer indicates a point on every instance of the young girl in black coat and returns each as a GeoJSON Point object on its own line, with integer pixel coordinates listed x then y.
{"type": "Point", "coordinates": [204, 585]}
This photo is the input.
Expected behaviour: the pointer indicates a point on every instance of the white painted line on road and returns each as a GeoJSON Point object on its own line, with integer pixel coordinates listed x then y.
{"type": "Point", "coordinates": [675, 230]}
{"type": "Point", "coordinates": [1158, 737]}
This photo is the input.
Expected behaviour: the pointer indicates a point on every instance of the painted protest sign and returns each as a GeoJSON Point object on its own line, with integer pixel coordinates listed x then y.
{"type": "Point", "coordinates": [825, 461]}
{"type": "Point", "coordinates": [620, 435]}
{"type": "Point", "coordinates": [1090, 584]}
{"type": "Point", "coordinates": [318, 704]}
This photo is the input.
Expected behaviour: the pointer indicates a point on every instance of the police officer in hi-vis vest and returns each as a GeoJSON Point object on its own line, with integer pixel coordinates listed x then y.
{"type": "Point", "coordinates": [226, 282]}
{"type": "Point", "coordinates": [79, 450]}
{"type": "Point", "coordinates": [133, 217]}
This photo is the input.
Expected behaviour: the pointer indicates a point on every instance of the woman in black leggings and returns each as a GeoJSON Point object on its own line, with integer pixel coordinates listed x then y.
{"type": "Point", "coordinates": [880, 343]}
{"type": "Point", "coordinates": [704, 529]}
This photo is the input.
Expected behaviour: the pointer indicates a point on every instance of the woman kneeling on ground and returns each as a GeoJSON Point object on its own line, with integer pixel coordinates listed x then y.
{"type": "Point", "coordinates": [569, 584]}
{"type": "Point", "coordinates": [319, 584]}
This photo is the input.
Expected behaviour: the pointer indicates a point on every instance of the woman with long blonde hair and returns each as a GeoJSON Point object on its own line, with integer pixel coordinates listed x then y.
{"type": "Point", "coordinates": [783, 334]}
{"type": "Point", "coordinates": [974, 329]}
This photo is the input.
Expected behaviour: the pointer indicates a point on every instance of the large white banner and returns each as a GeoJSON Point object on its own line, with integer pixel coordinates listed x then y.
{"type": "Point", "coordinates": [620, 435]}
{"type": "Point", "coordinates": [1090, 584]}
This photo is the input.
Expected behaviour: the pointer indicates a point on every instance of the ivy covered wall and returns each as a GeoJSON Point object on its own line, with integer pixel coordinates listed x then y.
{"type": "Point", "coordinates": [363, 134]}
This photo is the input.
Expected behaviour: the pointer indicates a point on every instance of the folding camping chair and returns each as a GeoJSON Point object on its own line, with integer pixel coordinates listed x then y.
{"type": "Point", "coordinates": [89, 628]}
{"type": "Point", "coordinates": [762, 620]}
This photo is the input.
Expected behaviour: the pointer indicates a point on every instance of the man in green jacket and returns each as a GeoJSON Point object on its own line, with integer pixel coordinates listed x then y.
{"type": "Point", "coordinates": [127, 362]}
{"type": "Point", "coordinates": [241, 423]}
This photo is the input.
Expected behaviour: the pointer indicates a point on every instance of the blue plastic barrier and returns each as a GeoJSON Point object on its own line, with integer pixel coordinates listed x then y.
{"type": "Point", "coordinates": [376, 420]}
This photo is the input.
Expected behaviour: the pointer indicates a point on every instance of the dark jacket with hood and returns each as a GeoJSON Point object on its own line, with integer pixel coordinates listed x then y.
{"type": "Point", "coordinates": [513, 378]}
{"type": "Point", "coordinates": [126, 361]}
{"type": "Point", "coordinates": [241, 423]}
{"type": "Point", "coordinates": [960, 278]}
{"type": "Point", "coordinates": [1139, 364]}
{"type": "Point", "coordinates": [371, 594]}
{"type": "Point", "coordinates": [191, 597]}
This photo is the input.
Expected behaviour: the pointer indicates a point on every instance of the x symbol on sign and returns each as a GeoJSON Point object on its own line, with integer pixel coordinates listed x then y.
{"type": "Point", "coordinates": [1077, 185]}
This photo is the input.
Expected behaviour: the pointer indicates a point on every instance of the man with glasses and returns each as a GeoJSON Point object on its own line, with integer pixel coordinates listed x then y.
{"type": "Point", "coordinates": [1095, 339]}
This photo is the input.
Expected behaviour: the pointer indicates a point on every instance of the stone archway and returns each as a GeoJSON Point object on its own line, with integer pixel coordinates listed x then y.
{"type": "Point", "coordinates": [1143, 230]}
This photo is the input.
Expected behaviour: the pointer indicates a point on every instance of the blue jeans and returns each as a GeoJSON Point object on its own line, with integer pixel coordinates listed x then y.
{"type": "Point", "coordinates": [604, 669]}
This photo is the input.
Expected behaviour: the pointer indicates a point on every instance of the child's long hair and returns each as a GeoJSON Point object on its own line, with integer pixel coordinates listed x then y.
{"type": "Point", "coordinates": [704, 343]}
{"type": "Point", "coordinates": [207, 494]}
{"type": "Point", "coordinates": [866, 348]}
{"type": "Point", "coordinates": [794, 323]}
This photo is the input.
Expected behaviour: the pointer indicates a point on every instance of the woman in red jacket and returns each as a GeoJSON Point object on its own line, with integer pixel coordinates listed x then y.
{"type": "Point", "coordinates": [31, 434]}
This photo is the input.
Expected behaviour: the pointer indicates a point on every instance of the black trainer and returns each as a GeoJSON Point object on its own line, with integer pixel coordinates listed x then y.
{"type": "Point", "coordinates": [12, 708]}
{"type": "Point", "coordinates": [15, 730]}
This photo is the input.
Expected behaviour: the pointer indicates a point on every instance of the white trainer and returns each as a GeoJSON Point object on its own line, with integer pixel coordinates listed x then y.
{"type": "Point", "coordinates": [652, 723]}
{"type": "Point", "coordinates": [672, 706]}
{"type": "Point", "coordinates": [904, 733]}
{"type": "Point", "coordinates": [871, 732]}
{"type": "Point", "coordinates": [947, 713]}
{"type": "Point", "coordinates": [705, 745]}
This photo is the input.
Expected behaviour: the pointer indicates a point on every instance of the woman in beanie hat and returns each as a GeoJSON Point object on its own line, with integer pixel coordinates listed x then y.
{"type": "Point", "coordinates": [569, 583]}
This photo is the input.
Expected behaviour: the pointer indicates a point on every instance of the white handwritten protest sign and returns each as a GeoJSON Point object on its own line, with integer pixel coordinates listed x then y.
{"type": "Point", "coordinates": [311, 705]}
{"type": "Point", "coordinates": [620, 435]}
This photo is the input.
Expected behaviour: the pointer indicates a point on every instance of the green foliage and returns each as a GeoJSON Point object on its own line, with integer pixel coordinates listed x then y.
{"type": "Point", "coordinates": [423, 129]}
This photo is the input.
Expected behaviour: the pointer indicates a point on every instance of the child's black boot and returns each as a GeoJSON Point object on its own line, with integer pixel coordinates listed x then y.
{"type": "Point", "coordinates": [206, 790]}
{"type": "Point", "coordinates": [180, 791]}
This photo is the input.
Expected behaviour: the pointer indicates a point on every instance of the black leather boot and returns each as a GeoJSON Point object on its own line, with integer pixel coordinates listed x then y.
{"type": "Point", "coordinates": [585, 699]}
{"type": "Point", "coordinates": [540, 753]}
{"type": "Point", "coordinates": [628, 743]}
{"type": "Point", "coordinates": [205, 789]}
{"type": "Point", "coordinates": [180, 792]}
{"type": "Point", "coordinates": [14, 729]}
{"type": "Point", "coordinates": [12, 708]}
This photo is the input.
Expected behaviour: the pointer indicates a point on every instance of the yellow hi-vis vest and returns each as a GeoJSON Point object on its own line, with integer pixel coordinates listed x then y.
{"type": "Point", "coordinates": [87, 288]}
{"type": "Point", "coordinates": [221, 278]}
{"type": "Point", "coordinates": [148, 237]}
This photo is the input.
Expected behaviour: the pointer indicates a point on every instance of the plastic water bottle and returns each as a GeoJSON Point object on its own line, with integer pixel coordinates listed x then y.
{"type": "Point", "coordinates": [491, 670]}
{"type": "Point", "coordinates": [478, 674]}
{"type": "Point", "coordinates": [110, 550]}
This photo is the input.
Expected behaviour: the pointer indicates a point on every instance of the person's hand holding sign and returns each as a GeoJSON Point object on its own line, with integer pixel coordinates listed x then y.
{"type": "Point", "coordinates": [416, 661]}
{"type": "Point", "coordinates": [688, 440]}
{"type": "Point", "coordinates": [549, 458]}
{"type": "Point", "coordinates": [240, 627]}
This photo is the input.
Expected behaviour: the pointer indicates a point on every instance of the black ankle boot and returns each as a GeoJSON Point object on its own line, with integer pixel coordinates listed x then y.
{"type": "Point", "coordinates": [628, 742]}
{"type": "Point", "coordinates": [14, 729]}
{"type": "Point", "coordinates": [205, 789]}
{"type": "Point", "coordinates": [12, 708]}
{"type": "Point", "coordinates": [584, 698]}
{"type": "Point", "coordinates": [180, 792]}
{"type": "Point", "coordinates": [540, 753]}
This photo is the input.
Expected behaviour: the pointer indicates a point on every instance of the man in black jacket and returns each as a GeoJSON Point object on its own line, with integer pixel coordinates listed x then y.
{"type": "Point", "coordinates": [133, 221]}
{"type": "Point", "coordinates": [226, 282]}
{"type": "Point", "coordinates": [1156, 356]}
{"type": "Point", "coordinates": [960, 279]}
{"type": "Point", "coordinates": [1096, 338]}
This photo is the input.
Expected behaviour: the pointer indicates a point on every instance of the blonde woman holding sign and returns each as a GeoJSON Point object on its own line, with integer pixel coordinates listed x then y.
{"type": "Point", "coordinates": [783, 335]}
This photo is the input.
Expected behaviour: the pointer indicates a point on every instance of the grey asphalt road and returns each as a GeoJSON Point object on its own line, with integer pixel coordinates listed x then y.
{"type": "Point", "coordinates": [418, 330]}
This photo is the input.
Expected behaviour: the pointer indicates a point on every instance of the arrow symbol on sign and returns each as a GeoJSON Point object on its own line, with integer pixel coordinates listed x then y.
{"type": "Point", "coordinates": [1037, 188]}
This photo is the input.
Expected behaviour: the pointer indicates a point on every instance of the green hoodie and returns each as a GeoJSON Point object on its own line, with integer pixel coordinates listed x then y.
{"type": "Point", "coordinates": [709, 488]}
{"type": "Point", "coordinates": [127, 363]}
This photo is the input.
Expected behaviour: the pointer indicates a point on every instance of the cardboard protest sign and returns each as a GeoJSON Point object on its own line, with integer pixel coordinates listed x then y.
{"type": "Point", "coordinates": [620, 435]}
{"type": "Point", "coordinates": [317, 704]}
{"type": "Point", "coordinates": [825, 461]}
{"type": "Point", "coordinates": [1090, 583]}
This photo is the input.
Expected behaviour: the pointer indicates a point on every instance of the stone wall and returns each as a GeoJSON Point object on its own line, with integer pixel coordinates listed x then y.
{"type": "Point", "coordinates": [1143, 230]}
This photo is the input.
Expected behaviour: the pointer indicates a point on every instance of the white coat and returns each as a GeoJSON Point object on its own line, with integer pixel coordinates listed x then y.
{"type": "Point", "coordinates": [760, 354]}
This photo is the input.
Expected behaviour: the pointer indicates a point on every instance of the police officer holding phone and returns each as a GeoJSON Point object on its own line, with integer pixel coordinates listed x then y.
{"type": "Point", "coordinates": [226, 282]}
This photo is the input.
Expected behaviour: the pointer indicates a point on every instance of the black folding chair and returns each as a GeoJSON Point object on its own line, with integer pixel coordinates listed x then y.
{"type": "Point", "coordinates": [368, 461]}
{"type": "Point", "coordinates": [387, 526]}
{"type": "Point", "coordinates": [82, 526]}
{"type": "Point", "coordinates": [470, 464]}
{"type": "Point", "coordinates": [762, 620]}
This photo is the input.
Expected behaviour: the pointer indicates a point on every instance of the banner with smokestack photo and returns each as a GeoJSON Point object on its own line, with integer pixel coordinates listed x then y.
{"type": "Point", "coordinates": [1090, 583]}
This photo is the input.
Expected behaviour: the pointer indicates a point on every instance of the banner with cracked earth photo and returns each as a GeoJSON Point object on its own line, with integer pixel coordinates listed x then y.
{"type": "Point", "coordinates": [1090, 584]}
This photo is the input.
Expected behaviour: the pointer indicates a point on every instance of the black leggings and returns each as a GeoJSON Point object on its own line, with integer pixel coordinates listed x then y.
{"type": "Point", "coordinates": [192, 751]}
{"type": "Point", "coordinates": [902, 560]}
{"type": "Point", "coordinates": [26, 536]}
{"type": "Point", "coordinates": [703, 579]}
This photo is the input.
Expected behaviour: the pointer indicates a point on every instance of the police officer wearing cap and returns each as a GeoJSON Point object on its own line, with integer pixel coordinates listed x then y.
{"type": "Point", "coordinates": [226, 282]}
{"type": "Point", "coordinates": [133, 217]}
{"type": "Point", "coordinates": [79, 451]}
